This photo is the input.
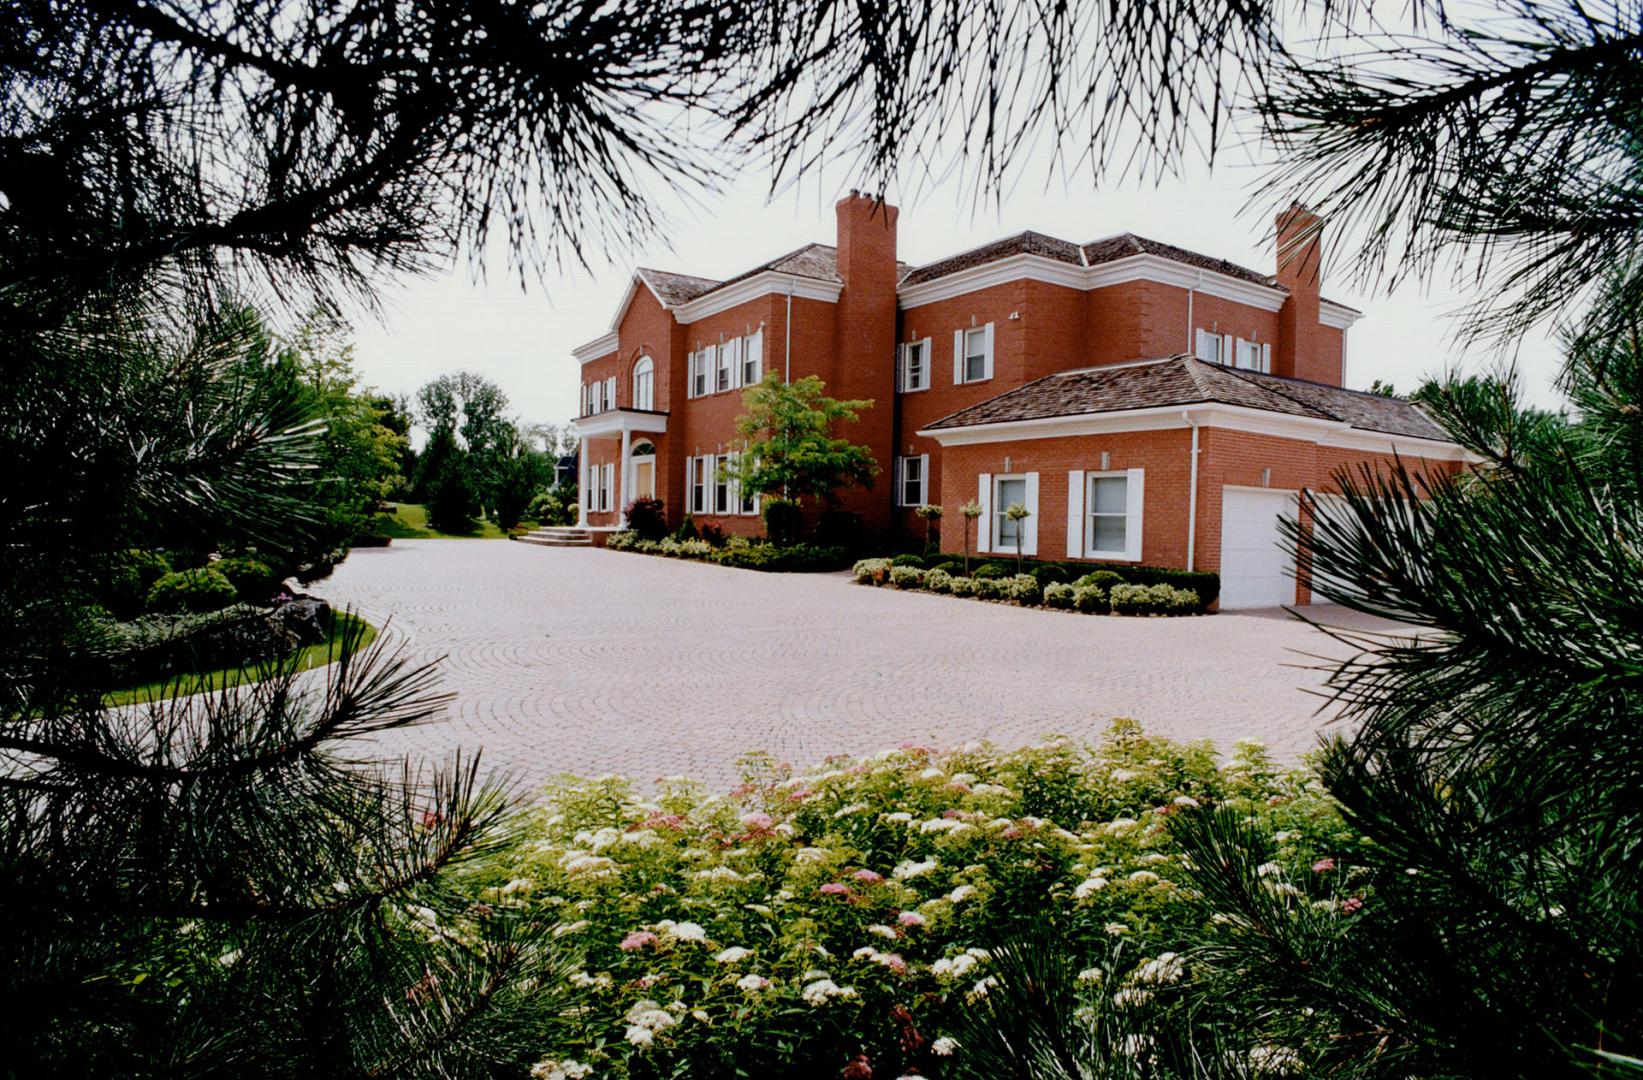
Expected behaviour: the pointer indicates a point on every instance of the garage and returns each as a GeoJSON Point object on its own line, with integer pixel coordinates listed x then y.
{"type": "Point", "coordinates": [1256, 569]}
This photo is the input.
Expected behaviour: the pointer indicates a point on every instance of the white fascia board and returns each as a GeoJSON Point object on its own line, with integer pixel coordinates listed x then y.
{"type": "Point", "coordinates": [753, 288]}
{"type": "Point", "coordinates": [1086, 278]}
{"type": "Point", "coordinates": [619, 420]}
{"type": "Point", "coordinates": [1331, 433]}
{"type": "Point", "coordinates": [596, 349]}
{"type": "Point", "coordinates": [1336, 316]}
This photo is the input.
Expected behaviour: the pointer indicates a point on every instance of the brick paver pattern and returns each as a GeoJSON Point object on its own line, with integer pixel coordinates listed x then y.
{"type": "Point", "coordinates": [594, 662]}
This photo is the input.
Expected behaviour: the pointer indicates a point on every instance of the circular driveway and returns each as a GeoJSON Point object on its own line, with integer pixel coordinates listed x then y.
{"type": "Point", "coordinates": [593, 662]}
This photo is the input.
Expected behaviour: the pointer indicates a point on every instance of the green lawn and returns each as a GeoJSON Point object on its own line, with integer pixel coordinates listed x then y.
{"type": "Point", "coordinates": [314, 656]}
{"type": "Point", "coordinates": [409, 521]}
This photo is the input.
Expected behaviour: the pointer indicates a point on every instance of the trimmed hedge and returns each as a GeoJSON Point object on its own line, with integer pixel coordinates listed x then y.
{"type": "Point", "coordinates": [739, 552]}
{"type": "Point", "coordinates": [1205, 586]}
{"type": "Point", "coordinates": [906, 577]}
{"type": "Point", "coordinates": [191, 590]}
{"type": "Point", "coordinates": [254, 581]}
{"type": "Point", "coordinates": [915, 561]}
{"type": "Point", "coordinates": [1153, 600]}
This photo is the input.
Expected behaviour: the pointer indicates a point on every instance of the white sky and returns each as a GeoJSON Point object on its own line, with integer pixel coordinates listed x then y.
{"type": "Point", "coordinates": [522, 340]}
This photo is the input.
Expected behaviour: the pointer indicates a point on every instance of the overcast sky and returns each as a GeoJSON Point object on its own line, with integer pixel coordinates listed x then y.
{"type": "Point", "coordinates": [522, 339]}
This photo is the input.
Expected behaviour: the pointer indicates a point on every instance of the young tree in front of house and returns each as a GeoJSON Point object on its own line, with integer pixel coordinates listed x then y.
{"type": "Point", "coordinates": [971, 511]}
{"type": "Point", "coordinates": [792, 452]}
{"type": "Point", "coordinates": [932, 518]}
{"type": "Point", "coordinates": [1018, 513]}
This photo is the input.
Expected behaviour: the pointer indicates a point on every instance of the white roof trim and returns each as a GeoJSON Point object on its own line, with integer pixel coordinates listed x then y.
{"type": "Point", "coordinates": [1336, 316]}
{"type": "Point", "coordinates": [616, 421]}
{"type": "Point", "coordinates": [1333, 433]}
{"type": "Point", "coordinates": [760, 284]}
{"type": "Point", "coordinates": [598, 347]}
{"type": "Point", "coordinates": [1143, 267]}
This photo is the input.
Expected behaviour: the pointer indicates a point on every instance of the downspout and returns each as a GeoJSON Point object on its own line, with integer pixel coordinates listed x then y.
{"type": "Point", "coordinates": [787, 345]}
{"type": "Point", "coordinates": [1192, 493]}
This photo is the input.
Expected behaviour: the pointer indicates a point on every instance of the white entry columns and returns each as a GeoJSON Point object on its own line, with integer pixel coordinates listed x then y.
{"type": "Point", "coordinates": [582, 483]}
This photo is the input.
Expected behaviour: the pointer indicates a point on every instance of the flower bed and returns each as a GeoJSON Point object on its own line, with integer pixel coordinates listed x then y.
{"type": "Point", "coordinates": [738, 551]}
{"type": "Point", "coordinates": [1099, 592]}
{"type": "Point", "coordinates": [803, 920]}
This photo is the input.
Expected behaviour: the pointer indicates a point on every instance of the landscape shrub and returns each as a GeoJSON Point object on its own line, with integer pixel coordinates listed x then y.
{"type": "Point", "coordinates": [1051, 574]}
{"type": "Point", "coordinates": [906, 577]}
{"type": "Point", "coordinates": [872, 571]}
{"type": "Point", "coordinates": [993, 570]}
{"type": "Point", "coordinates": [992, 588]}
{"type": "Point", "coordinates": [782, 521]}
{"type": "Point", "coordinates": [686, 529]}
{"type": "Point", "coordinates": [839, 528]}
{"type": "Point", "coordinates": [1058, 595]}
{"type": "Point", "coordinates": [909, 560]}
{"type": "Point", "coordinates": [1206, 585]}
{"type": "Point", "coordinates": [1025, 590]}
{"type": "Point", "coordinates": [626, 540]}
{"type": "Point", "coordinates": [781, 926]}
{"type": "Point", "coordinates": [1090, 599]}
{"type": "Point", "coordinates": [954, 567]}
{"type": "Point", "coordinates": [962, 586]}
{"type": "Point", "coordinates": [646, 518]}
{"type": "Point", "coordinates": [684, 549]}
{"type": "Point", "coordinates": [253, 580]}
{"type": "Point", "coordinates": [196, 590]}
{"type": "Point", "coordinates": [797, 558]}
{"type": "Point", "coordinates": [712, 535]}
{"type": "Point", "coordinates": [124, 588]}
{"type": "Point", "coordinates": [937, 581]}
{"type": "Point", "coordinates": [1102, 579]}
{"type": "Point", "coordinates": [1153, 600]}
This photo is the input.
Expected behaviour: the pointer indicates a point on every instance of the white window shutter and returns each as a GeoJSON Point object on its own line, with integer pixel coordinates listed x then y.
{"type": "Point", "coordinates": [930, 362]}
{"type": "Point", "coordinates": [1266, 358]}
{"type": "Point", "coordinates": [1229, 353]}
{"type": "Point", "coordinates": [690, 480]}
{"type": "Point", "coordinates": [610, 391]}
{"type": "Point", "coordinates": [984, 524]}
{"type": "Point", "coordinates": [710, 483]}
{"type": "Point", "coordinates": [1135, 499]}
{"type": "Point", "coordinates": [755, 352]}
{"type": "Point", "coordinates": [1029, 541]}
{"type": "Point", "coordinates": [988, 367]}
{"type": "Point", "coordinates": [958, 357]}
{"type": "Point", "coordinates": [901, 368]}
{"type": "Point", "coordinates": [898, 470]}
{"type": "Point", "coordinates": [610, 484]}
{"type": "Point", "coordinates": [924, 479]}
{"type": "Point", "coordinates": [1075, 513]}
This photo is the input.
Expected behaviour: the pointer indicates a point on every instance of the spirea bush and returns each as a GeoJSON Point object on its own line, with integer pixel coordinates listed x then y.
{"type": "Point", "coordinates": [872, 571]}
{"type": "Point", "coordinates": [1025, 590]}
{"type": "Point", "coordinates": [1057, 595]}
{"type": "Point", "coordinates": [938, 581]}
{"type": "Point", "coordinates": [906, 577]}
{"type": "Point", "coordinates": [805, 918]}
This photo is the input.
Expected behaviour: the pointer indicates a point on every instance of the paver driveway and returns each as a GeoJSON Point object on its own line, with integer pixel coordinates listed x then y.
{"type": "Point", "coordinates": [599, 662]}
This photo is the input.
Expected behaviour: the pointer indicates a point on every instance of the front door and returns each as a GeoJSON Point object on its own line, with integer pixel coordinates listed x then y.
{"type": "Point", "coordinates": [644, 478]}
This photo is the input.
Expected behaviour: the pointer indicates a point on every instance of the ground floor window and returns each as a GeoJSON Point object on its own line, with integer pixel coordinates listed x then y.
{"type": "Point", "coordinates": [913, 480]}
{"type": "Point", "coordinates": [698, 484]}
{"type": "Point", "coordinates": [1104, 514]}
{"type": "Point", "coordinates": [1008, 491]}
{"type": "Point", "coordinates": [606, 481]}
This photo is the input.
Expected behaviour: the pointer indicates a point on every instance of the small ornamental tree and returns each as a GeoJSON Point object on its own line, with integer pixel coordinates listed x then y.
{"type": "Point", "coordinates": [932, 516]}
{"type": "Point", "coordinates": [791, 450]}
{"type": "Point", "coordinates": [1017, 513]}
{"type": "Point", "coordinates": [971, 510]}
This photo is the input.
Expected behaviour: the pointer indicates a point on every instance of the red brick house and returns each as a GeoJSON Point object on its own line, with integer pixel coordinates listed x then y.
{"type": "Point", "coordinates": [1145, 403]}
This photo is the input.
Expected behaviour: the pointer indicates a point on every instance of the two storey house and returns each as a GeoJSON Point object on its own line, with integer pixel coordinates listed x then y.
{"type": "Point", "coordinates": [1144, 403]}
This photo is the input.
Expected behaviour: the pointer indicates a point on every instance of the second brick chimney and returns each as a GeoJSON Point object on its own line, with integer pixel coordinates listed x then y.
{"type": "Point", "coordinates": [864, 365]}
{"type": "Point", "coordinates": [1302, 350]}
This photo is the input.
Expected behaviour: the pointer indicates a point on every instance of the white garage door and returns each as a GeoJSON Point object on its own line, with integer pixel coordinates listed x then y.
{"type": "Point", "coordinates": [1256, 570]}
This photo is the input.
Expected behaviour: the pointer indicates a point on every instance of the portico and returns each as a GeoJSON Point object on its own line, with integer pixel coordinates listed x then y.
{"type": "Point", "coordinates": [636, 429]}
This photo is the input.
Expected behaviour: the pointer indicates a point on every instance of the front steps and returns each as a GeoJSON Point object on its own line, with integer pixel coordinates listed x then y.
{"type": "Point", "coordinates": [558, 536]}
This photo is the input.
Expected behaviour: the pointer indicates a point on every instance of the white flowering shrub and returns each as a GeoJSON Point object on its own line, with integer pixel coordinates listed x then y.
{"type": "Point", "coordinates": [938, 581]}
{"type": "Point", "coordinates": [807, 918]}
{"type": "Point", "coordinates": [872, 571]}
{"type": "Point", "coordinates": [906, 577]}
{"type": "Point", "coordinates": [1058, 595]}
{"type": "Point", "coordinates": [622, 541]}
{"type": "Point", "coordinates": [1025, 590]}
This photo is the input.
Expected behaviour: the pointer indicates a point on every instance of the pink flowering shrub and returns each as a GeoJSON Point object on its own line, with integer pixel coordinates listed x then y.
{"type": "Point", "coordinates": [754, 932]}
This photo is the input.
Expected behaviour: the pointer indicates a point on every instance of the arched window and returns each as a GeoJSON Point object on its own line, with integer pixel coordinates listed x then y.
{"type": "Point", "coordinates": [644, 384]}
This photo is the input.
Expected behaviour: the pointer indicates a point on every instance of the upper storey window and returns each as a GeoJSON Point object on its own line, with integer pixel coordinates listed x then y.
{"type": "Point", "coordinates": [913, 366]}
{"type": "Point", "coordinates": [753, 358]}
{"type": "Point", "coordinates": [973, 354]}
{"type": "Point", "coordinates": [1233, 351]}
{"type": "Point", "coordinates": [729, 365]}
{"type": "Point", "coordinates": [644, 384]}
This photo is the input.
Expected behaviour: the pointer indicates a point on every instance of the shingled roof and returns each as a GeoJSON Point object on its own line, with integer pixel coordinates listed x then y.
{"type": "Point", "coordinates": [818, 261]}
{"type": "Point", "coordinates": [1094, 253]}
{"type": "Point", "coordinates": [1186, 380]}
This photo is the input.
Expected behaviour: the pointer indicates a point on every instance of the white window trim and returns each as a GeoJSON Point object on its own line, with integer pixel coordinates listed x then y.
{"type": "Point", "coordinates": [984, 523]}
{"type": "Point", "coordinates": [753, 358]}
{"type": "Point", "coordinates": [1080, 530]}
{"type": "Point", "coordinates": [645, 369]}
{"type": "Point", "coordinates": [1208, 343]}
{"type": "Point", "coordinates": [923, 480]}
{"type": "Point", "coordinates": [958, 354]}
{"type": "Point", "coordinates": [904, 371]}
{"type": "Point", "coordinates": [610, 393]}
{"type": "Point", "coordinates": [1029, 527]}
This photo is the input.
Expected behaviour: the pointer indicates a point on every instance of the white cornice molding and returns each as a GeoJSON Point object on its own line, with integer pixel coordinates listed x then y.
{"type": "Point", "coordinates": [762, 284]}
{"type": "Point", "coordinates": [1086, 278]}
{"type": "Point", "coordinates": [616, 421]}
{"type": "Point", "coordinates": [596, 349]}
{"type": "Point", "coordinates": [1332, 433]}
{"type": "Point", "coordinates": [1337, 316]}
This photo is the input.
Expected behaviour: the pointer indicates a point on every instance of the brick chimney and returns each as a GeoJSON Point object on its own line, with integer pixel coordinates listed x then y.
{"type": "Point", "coordinates": [865, 364]}
{"type": "Point", "coordinates": [1302, 352]}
